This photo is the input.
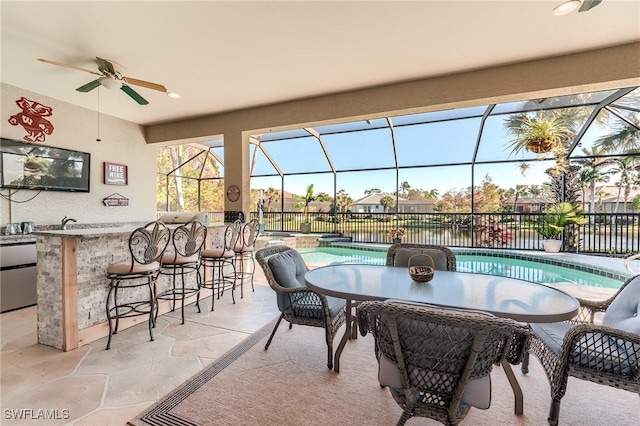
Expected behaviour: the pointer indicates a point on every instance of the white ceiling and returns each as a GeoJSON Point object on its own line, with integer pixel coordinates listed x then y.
{"type": "Point", "coordinates": [222, 56]}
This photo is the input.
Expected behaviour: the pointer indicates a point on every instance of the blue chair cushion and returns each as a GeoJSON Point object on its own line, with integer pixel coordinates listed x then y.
{"type": "Point", "coordinates": [624, 312]}
{"type": "Point", "coordinates": [593, 350]}
{"type": "Point", "coordinates": [288, 269]}
{"type": "Point", "coordinates": [439, 258]}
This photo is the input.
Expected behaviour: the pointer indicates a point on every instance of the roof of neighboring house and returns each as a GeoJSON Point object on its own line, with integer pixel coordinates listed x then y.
{"type": "Point", "coordinates": [529, 200]}
{"type": "Point", "coordinates": [375, 199]}
{"type": "Point", "coordinates": [611, 196]}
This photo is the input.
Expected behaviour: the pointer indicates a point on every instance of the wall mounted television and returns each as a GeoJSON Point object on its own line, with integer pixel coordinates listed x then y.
{"type": "Point", "coordinates": [40, 167]}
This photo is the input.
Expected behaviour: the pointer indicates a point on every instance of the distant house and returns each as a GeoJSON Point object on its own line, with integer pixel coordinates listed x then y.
{"type": "Point", "coordinates": [290, 201]}
{"type": "Point", "coordinates": [528, 204]}
{"type": "Point", "coordinates": [606, 199]}
{"type": "Point", "coordinates": [372, 204]}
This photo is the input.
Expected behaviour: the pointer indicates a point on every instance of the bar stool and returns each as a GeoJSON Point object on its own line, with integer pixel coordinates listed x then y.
{"type": "Point", "coordinates": [218, 257]}
{"type": "Point", "coordinates": [146, 246]}
{"type": "Point", "coordinates": [187, 240]}
{"type": "Point", "coordinates": [244, 253]}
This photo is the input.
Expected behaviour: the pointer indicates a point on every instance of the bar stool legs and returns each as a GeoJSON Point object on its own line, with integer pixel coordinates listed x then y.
{"type": "Point", "coordinates": [136, 278]}
{"type": "Point", "coordinates": [117, 309]}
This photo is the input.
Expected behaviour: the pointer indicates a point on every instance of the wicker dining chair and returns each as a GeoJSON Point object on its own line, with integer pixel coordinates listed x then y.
{"type": "Point", "coordinates": [606, 353]}
{"type": "Point", "coordinates": [443, 258]}
{"type": "Point", "coordinates": [437, 362]}
{"type": "Point", "coordinates": [284, 270]}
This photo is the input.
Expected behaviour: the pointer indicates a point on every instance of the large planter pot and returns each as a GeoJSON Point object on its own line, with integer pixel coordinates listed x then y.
{"type": "Point", "coordinates": [396, 240]}
{"type": "Point", "coordinates": [305, 228]}
{"type": "Point", "coordinates": [552, 246]}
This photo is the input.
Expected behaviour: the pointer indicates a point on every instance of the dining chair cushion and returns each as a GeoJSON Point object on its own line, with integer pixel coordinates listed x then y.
{"type": "Point", "coordinates": [138, 268]}
{"type": "Point", "coordinates": [593, 350]}
{"type": "Point", "coordinates": [288, 269]}
{"type": "Point", "coordinates": [552, 334]}
{"type": "Point", "coordinates": [402, 256]}
{"type": "Point", "coordinates": [624, 311]}
{"type": "Point", "coordinates": [477, 392]}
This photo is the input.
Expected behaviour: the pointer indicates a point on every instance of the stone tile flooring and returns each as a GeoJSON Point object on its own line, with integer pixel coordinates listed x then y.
{"type": "Point", "coordinates": [92, 386]}
{"type": "Point", "coordinates": [100, 387]}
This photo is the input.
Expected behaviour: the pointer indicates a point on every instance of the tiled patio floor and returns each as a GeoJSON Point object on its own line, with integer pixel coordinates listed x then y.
{"type": "Point", "coordinates": [92, 386]}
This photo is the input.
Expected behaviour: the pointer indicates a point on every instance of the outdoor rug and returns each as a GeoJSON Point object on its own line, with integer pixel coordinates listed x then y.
{"type": "Point", "coordinates": [289, 384]}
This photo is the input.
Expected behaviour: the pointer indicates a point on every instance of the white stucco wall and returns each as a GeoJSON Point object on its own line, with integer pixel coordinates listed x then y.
{"type": "Point", "coordinates": [77, 129]}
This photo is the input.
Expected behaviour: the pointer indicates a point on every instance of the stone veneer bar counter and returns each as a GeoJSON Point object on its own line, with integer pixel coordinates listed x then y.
{"type": "Point", "coordinates": [72, 285]}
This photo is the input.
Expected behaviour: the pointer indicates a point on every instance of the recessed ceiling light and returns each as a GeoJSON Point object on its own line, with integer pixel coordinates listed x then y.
{"type": "Point", "coordinates": [173, 95]}
{"type": "Point", "coordinates": [566, 7]}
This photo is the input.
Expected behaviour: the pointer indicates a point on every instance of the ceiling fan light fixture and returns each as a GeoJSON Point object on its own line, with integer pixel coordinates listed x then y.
{"type": "Point", "coordinates": [110, 83]}
{"type": "Point", "coordinates": [566, 7]}
{"type": "Point", "coordinates": [173, 95]}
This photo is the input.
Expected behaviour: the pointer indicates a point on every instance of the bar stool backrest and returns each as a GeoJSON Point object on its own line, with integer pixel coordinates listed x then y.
{"type": "Point", "coordinates": [188, 239]}
{"type": "Point", "coordinates": [231, 235]}
{"type": "Point", "coordinates": [250, 233]}
{"type": "Point", "coordinates": [148, 243]}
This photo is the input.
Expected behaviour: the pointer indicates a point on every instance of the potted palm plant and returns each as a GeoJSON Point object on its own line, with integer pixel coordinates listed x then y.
{"type": "Point", "coordinates": [304, 201]}
{"type": "Point", "coordinates": [554, 222]}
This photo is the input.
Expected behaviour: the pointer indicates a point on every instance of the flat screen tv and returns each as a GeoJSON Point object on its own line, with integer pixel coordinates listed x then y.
{"type": "Point", "coordinates": [40, 167]}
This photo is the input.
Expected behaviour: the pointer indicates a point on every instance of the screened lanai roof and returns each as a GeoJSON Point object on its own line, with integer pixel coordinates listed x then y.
{"type": "Point", "coordinates": [455, 147]}
{"type": "Point", "coordinates": [459, 136]}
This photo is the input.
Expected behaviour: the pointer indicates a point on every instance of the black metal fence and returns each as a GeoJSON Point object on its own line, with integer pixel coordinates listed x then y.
{"type": "Point", "coordinates": [604, 233]}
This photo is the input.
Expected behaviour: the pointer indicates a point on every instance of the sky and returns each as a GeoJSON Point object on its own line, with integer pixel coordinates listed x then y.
{"type": "Point", "coordinates": [450, 143]}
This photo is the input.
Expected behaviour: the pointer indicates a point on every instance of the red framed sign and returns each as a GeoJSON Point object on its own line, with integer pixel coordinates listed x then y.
{"type": "Point", "coordinates": [115, 174]}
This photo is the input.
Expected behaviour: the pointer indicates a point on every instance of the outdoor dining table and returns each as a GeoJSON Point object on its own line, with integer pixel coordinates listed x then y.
{"type": "Point", "coordinates": [520, 300]}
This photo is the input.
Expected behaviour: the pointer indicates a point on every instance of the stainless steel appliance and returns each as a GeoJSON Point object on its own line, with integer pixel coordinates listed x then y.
{"type": "Point", "coordinates": [17, 275]}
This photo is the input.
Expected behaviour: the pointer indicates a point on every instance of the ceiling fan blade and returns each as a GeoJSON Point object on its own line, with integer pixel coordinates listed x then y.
{"type": "Point", "coordinates": [147, 84]}
{"type": "Point", "coordinates": [134, 95]}
{"type": "Point", "coordinates": [60, 64]}
{"type": "Point", "coordinates": [89, 86]}
{"type": "Point", "coordinates": [105, 66]}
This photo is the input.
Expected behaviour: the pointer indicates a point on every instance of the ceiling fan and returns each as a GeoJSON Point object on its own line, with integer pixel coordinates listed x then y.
{"type": "Point", "coordinates": [111, 76]}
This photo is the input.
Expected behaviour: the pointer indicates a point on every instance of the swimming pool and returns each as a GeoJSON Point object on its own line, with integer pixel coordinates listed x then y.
{"type": "Point", "coordinates": [511, 267]}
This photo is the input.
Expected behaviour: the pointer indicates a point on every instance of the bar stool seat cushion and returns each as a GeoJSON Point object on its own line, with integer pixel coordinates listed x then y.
{"type": "Point", "coordinates": [170, 259]}
{"type": "Point", "coordinates": [217, 253]}
{"type": "Point", "coordinates": [126, 269]}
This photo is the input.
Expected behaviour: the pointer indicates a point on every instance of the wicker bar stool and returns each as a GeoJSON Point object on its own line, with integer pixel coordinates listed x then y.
{"type": "Point", "coordinates": [146, 246]}
{"type": "Point", "coordinates": [216, 259]}
{"type": "Point", "coordinates": [245, 264]}
{"type": "Point", "coordinates": [188, 240]}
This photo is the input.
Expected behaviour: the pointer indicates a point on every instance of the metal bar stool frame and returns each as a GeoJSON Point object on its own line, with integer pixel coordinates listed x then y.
{"type": "Point", "coordinates": [187, 241]}
{"type": "Point", "coordinates": [146, 247]}
{"type": "Point", "coordinates": [244, 250]}
{"type": "Point", "coordinates": [218, 257]}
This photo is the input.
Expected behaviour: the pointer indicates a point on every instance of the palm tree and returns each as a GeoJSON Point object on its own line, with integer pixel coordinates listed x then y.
{"type": "Point", "coordinates": [387, 202]}
{"type": "Point", "coordinates": [595, 163]}
{"type": "Point", "coordinates": [404, 187]}
{"type": "Point", "coordinates": [624, 138]}
{"type": "Point", "coordinates": [626, 166]}
{"type": "Point", "coordinates": [431, 195]}
{"type": "Point", "coordinates": [304, 201]}
{"type": "Point", "coordinates": [272, 195]}
{"type": "Point", "coordinates": [372, 191]}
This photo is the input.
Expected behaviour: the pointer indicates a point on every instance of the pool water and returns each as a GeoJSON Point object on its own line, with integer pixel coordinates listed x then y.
{"type": "Point", "coordinates": [502, 266]}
